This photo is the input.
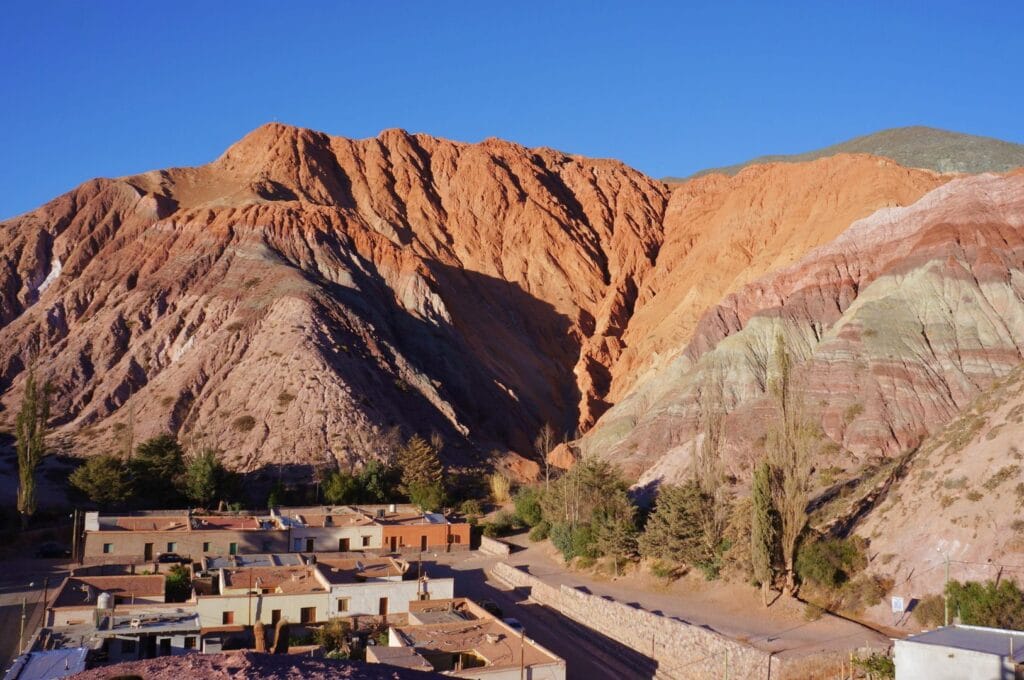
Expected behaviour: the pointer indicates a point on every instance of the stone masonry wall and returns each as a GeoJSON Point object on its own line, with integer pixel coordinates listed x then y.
{"type": "Point", "coordinates": [680, 649]}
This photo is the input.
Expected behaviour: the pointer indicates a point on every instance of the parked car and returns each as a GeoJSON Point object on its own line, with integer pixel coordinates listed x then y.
{"type": "Point", "coordinates": [514, 624]}
{"type": "Point", "coordinates": [51, 550]}
{"type": "Point", "coordinates": [172, 558]}
{"type": "Point", "coordinates": [491, 608]}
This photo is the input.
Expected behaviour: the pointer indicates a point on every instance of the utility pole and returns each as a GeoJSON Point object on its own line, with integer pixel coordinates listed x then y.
{"type": "Point", "coordinates": [74, 534]}
{"type": "Point", "coordinates": [946, 590]}
{"type": "Point", "coordinates": [522, 654]}
{"type": "Point", "coordinates": [21, 634]}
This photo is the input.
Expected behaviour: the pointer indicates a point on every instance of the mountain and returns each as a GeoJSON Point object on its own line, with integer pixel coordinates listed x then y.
{"type": "Point", "coordinates": [895, 326]}
{"type": "Point", "coordinates": [303, 298]}
{"type": "Point", "coordinates": [914, 147]}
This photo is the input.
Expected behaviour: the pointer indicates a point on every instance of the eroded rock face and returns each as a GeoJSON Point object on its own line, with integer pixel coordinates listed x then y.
{"type": "Point", "coordinates": [303, 293]}
{"type": "Point", "coordinates": [896, 326]}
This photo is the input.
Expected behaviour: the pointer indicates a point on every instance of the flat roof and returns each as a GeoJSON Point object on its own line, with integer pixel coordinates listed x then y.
{"type": "Point", "coordinates": [56, 663]}
{"type": "Point", "coordinates": [489, 639]}
{"type": "Point", "coordinates": [331, 520]}
{"type": "Point", "coordinates": [83, 591]}
{"type": "Point", "coordinates": [300, 579]}
{"type": "Point", "coordinates": [241, 561]}
{"type": "Point", "coordinates": [404, 657]}
{"type": "Point", "coordinates": [997, 641]}
{"type": "Point", "coordinates": [182, 619]}
{"type": "Point", "coordinates": [340, 570]}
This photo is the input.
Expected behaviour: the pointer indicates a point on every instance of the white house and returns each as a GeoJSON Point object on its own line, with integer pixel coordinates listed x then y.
{"type": "Point", "coordinates": [957, 652]}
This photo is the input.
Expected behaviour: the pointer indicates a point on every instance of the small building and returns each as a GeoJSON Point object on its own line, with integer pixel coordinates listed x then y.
{"type": "Point", "coordinates": [330, 529]}
{"type": "Point", "coordinates": [146, 633]}
{"type": "Point", "coordinates": [214, 563]}
{"type": "Point", "coordinates": [82, 599]}
{"type": "Point", "coordinates": [459, 638]}
{"type": "Point", "coordinates": [48, 664]}
{"type": "Point", "coordinates": [298, 594]}
{"type": "Point", "coordinates": [407, 532]}
{"type": "Point", "coordinates": [956, 652]}
{"type": "Point", "coordinates": [380, 586]}
{"type": "Point", "coordinates": [145, 536]}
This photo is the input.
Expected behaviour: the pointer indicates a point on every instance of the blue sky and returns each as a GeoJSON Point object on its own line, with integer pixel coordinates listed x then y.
{"type": "Point", "coordinates": [111, 88]}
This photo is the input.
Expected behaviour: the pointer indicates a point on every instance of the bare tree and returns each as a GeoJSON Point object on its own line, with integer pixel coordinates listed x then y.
{"type": "Point", "coordinates": [707, 460]}
{"type": "Point", "coordinates": [543, 444]}
{"type": "Point", "coordinates": [790, 445]}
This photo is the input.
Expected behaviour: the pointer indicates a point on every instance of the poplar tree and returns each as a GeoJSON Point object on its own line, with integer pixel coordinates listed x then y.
{"type": "Point", "coordinates": [422, 473]}
{"type": "Point", "coordinates": [762, 529]}
{"type": "Point", "coordinates": [31, 442]}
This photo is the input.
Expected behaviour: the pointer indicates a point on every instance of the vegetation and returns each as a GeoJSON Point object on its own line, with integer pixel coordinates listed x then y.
{"type": "Point", "coordinates": [762, 530]}
{"type": "Point", "coordinates": [158, 471]}
{"type": "Point", "coordinates": [930, 611]}
{"type": "Point", "coordinates": [178, 584]}
{"type": "Point", "coordinates": [500, 486]}
{"type": "Point", "coordinates": [333, 637]}
{"type": "Point", "coordinates": [528, 509]}
{"type": "Point", "coordinates": [104, 480]}
{"type": "Point", "coordinates": [205, 478]}
{"type": "Point", "coordinates": [31, 442]}
{"type": "Point", "coordinates": [674, 533]}
{"type": "Point", "coordinates": [502, 524]}
{"type": "Point", "coordinates": [422, 473]}
{"type": "Point", "coordinates": [877, 665]}
{"type": "Point", "coordinates": [830, 563]}
{"type": "Point", "coordinates": [341, 488]}
{"type": "Point", "coordinates": [994, 604]}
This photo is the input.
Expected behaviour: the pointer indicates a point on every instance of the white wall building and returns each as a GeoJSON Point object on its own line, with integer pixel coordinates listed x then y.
{"type": "Point", "coordinates": [958, 652]}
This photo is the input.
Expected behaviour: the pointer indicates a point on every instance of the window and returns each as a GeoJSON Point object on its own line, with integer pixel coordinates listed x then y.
{"type": "Point", "coordinates": [108, 548]}
{"type": "Point", "coordinates": [172, 546]}
{"type": "Point", "coordinates": [366, 541]}
{"type": "Point", "coordinates": [165, 647]}
{"type": "Point", "coordinates": [275, 616]}
{"type": "Point", "coordinates": [227, 618]}
{"type": "Point", "coordinates": [307, 615]}
{"type": "Point", "coordinates": [457, 538]}
{"type": "Point", "coordinates": [342, 604]}
{"type": "Point", "coordinates": [128, 647]}
{"type": "Point", "coordinates": [233, 548]}
{"type": "Point", "coordinates": [206, 546]}
{"type": "Point", "coordinates": [190, 642]}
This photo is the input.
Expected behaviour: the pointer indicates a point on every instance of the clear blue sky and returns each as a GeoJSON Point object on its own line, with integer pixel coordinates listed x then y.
{"type": "Point", "coordinates": [109, 88]}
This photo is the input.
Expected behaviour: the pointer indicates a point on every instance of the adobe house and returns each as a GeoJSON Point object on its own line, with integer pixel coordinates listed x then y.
{"type": "Point", "coordinates": [82, 599]}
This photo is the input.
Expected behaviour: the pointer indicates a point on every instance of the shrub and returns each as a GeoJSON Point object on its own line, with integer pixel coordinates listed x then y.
{"type": "Point", "coordinates": [878, 665]}
{"type": "Point", "coordinates": [813, 612]}
{"type": "Point", "coordinates": [663, 570]}
{"type": "Point", "coordinates": [996, 605]}
{"type": "Point", "coordinates": [930, 611]}
{"type": "Point", "coordinates": [585, 562]}
{"type": "Point", "coordinates": [830, 562]}
{"type": "Point", "coordinates": [243, 423]}
{"type": "Point", "coordinates": [178, 584]}
{"type": "Point", "coordinates": [528, 506]}
{"type": "Point", "coordinates": [540, 531]}
{"type": "Point", "coordinates": [500, 487]}
{"type": "Point", "coordinates": [502, 524]}
{"type": "Point", "coordinates": [471, 508]}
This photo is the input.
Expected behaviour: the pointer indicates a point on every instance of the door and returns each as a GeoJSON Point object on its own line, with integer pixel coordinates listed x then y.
{"type": "Point", "coordinates": [394, 544]}
{"type": "Point", "coordinates": [233, 548]}
{"type": "Point", "coordinates": [382, 607]}
{"type": "Point", "coordinates": [423, 543]}
{"type": "Point", "coordinates": [343, 544]}
{"type": "Point", "coordinates": [148, 552]}
{"type": "Point", "coordinates": [309, 545]}
{"type": "Point", "coordinates": [165, 646]}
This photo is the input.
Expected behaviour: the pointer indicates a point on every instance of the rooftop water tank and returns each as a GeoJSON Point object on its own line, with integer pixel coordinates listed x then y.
{"type": "Point", "coordinates": [104, 601]}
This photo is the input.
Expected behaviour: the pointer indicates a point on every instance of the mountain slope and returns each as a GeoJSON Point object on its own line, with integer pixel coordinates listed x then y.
{"type": "Point", "coordinates": [914, 147]}
{"type": "Point", "coordinates": [895, 325]}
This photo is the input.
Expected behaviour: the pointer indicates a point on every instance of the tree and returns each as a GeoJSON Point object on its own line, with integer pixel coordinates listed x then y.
{"type": "Point", "coordinates": [429, 497]}
{"type": "Point", "coordinates": [204, 477]}
{"type": "Point", "coordinates": [178, 584]}
{"type": "Point", "coordinates": [31, 442]}
{"type": "Point", "coordinates": [992, 604]}
{"type": "Point", "coordinates": [377, 481]}
{"type": "Point", "coordinates": [340, 487]}
{"type": "Point", "coordinates": [419, 463]}
{"type": "Point", "coordinates": [616, 536]}
{"type": "Point", "coordinates": [528, 509]}
{"type": "Point", "coordinates": [673, 530]}
{"type": "Point", "coordinates": [543, 444]}
{"type": "Point", "coordinates": [104, 480]}
{"type": "Point", "coordinates": [713, 508]}
{"type": "Point", "coordinates": [158, 470]}
{"type": "Point", "coordinates": [790, 443]}
{"type": "Point", "coordinates": [762, 529]}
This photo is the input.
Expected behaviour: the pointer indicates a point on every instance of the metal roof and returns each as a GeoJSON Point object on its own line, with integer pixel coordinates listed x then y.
{"type": "Point", "coordinates": [995, 641]}
{"type": "Point", "coordinates": [57, 663]}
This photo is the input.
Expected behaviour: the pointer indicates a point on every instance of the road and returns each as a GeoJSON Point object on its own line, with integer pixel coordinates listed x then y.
{"type": "Point", "coordinates": [588, 655]}
{"type": "Point", "coordinates": [23, 580]}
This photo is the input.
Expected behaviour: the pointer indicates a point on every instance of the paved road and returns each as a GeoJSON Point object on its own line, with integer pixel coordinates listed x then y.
{"type": "Point", "coordinates": [23, 579]}
{"type": "Point", "coordinates": [588, 654]}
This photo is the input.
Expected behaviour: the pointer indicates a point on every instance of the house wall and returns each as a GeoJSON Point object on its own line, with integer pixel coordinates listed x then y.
{"type": "Point", "coordinates": [116, 652]}
{"type": "Point", "coordinates": [409, 536]}
{"type": "Point", "coordinates": [211, 608]}
{"type": "Point", "coordinates": [364, 598]}
{"type": "Point", "coordinates": [326, 538]}
{"type": "Point", "coordinates": [64, 616]}
{"type": "Point", "coordinates": [917, 660]}
{"type": "Point", "coordinates": [538, 672]}
{"type": "Point", "coordinates": [188, 543]}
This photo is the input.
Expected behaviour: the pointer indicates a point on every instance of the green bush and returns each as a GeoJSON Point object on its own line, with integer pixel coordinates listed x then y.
{"type": "Point", "coordinates": [578, 542]}
{"type": "Point", "coordinates": [502, 524]}
{"type": "Point", "coordinates": [878, 665]}
{"type": "Point", "coordinates": [996, 605]}
{"type": "Point", "coordinates": [528, 508]}
{"type": "Point", "coordinates": [829, 563]}
{"type": "Point", "coordinates": [930, 611]}
{"type": "Point", "coordinates": [541, 531]}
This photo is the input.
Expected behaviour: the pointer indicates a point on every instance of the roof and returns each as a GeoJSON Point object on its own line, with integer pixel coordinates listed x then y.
{"type": "Point", "coordinates": [211, 562]}
{"type": "Point", "coordinates": [181, 619]}
{"type": "Point", "coordinates": [339, 570]}
{"type": "Point", "coordinates": [301, 579]}
{"type": "Point", "coordinates": [487, 638]}
{"type": "Point", "coordinates": [146, 524]}
{"type": "Point", "coordinates": [995, 641]}
{"type": "Point", "coordinates": [82, 591]}
{"type": "Point", "coordinates": [348, 519]}
{"type": "Point", "coordinates": [229, 523]}
{"type": "Point", "coordinates": [403, 657]}
{"type": "Point", "coordinates": [57, 663]}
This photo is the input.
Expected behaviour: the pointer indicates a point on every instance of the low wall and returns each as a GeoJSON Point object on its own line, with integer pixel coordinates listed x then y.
{"type": "Point", "coordinates": [681, 650]}
{"type": "Point", "coordinates": [494, 547]}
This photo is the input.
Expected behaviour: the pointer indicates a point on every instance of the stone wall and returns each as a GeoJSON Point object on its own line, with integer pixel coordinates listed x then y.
{"type": "Point", "coordinates": [494, 547]}
{"type": "Point", "coordinates": [680, 649]}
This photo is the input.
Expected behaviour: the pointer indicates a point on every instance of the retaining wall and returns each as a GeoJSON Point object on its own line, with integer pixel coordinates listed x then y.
{"type": "Point", "coordinates": [680, 649]}
{"type": "Point", "coordinates": [494, 547]}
